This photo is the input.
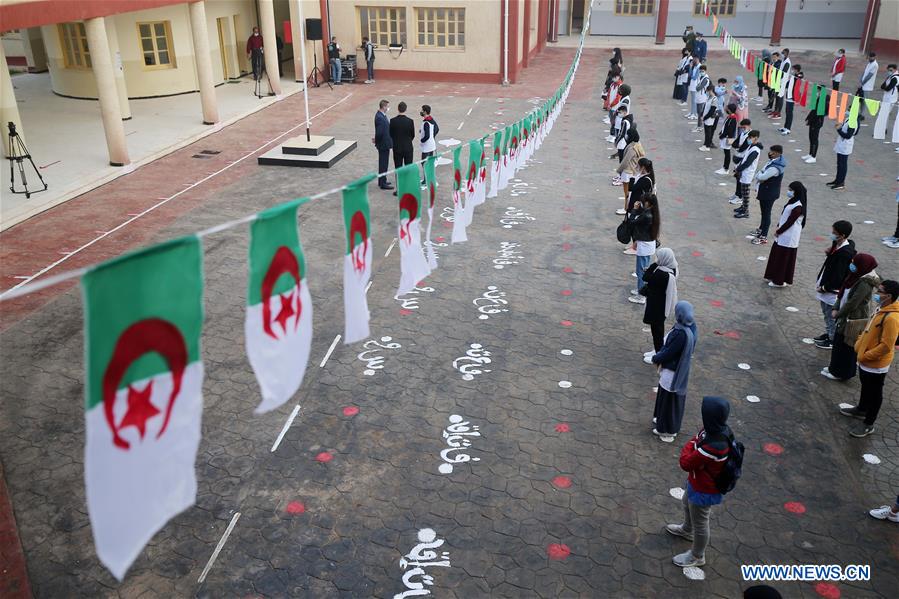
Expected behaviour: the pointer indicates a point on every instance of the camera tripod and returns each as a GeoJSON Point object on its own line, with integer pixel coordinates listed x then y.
{"type": "Point", "coordinates": [18, 153]}
{"type": "Point", "coordinates": [258, 71]}
{"type": "Point", "coordinates": [316, 72]}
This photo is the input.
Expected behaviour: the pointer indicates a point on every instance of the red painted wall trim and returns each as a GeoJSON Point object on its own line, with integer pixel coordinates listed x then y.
{"type": "Point", "coordinates": [14, 583]}
{"type": "Point", "coordinates": [777, 26]}
{"type": "Point", "coordinates": [661, 21]}
{"type": "Point", "coordinates": [47, 12]}
{"type": "Point", "coordinates": [514, 62]}
{"type": "Point", "coordinates": [326, 37]}
{"type": "Point", "coordinates": [555, 30]}
{"type": "Point", "coordinates": [541, 23]}
{"type": "Point", "coordinates": [396, 74]}
{"type": "Point", "coordinates": [868, 32]}
{"type": "Point", "coordinates": [526, 34]}
{"type": "Point", "coordinates": [885, 48]}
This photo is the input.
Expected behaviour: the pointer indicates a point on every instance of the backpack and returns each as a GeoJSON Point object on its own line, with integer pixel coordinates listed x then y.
{"type": "Point", "coordinates": [733, 467]}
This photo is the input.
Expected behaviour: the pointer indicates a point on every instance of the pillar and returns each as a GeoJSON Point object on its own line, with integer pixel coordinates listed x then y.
{"type": "Point", "coordinates": [295, 28]}
{"type": "Point", "coordinates": [267, 26]}
{"type": "Point", "coordinates": [118, 69]}
{"type": "Point", "coordinates": [780, 9]}
{"type": "Point", "coordinates": [870, 24]}
{"type": "Point", "coordinates": [9, 110]}
{"type": "Point", "coordinates": [110, 112]}
{"type": "Point", "coordinates": [513, 40]}
{"type": "Point", "coordinates": [203, 59]}
{"type": "Point", "coordinates": [542, 19]}
{"type": "Point", "coordinates": [662, 21]}
{"type": "Point", "coordinates": [554, 32]}
{"type": "Point", "coordinates": [526, 38]}
{"type": "Point", "coordinates": [326, 38]}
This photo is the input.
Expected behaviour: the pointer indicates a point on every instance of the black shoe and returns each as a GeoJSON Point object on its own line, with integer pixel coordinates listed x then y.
{"type": "Point", "coordinates": [830, 183]}
{"type": "Point", "coordinates": [854, 412]}
{"type": "Point", "coordinates": [394, 193]}
{"type": "Point", "coordinates": [826, 344]}
{"type": "Point", "coordinates": [741, 214]}
{"type": "Point", "coordinates": [861, 430]}
{"type": "Point", "coordinates": [387, 187]}
{"type": "Point", "coordinates": [823, 337]}
{"type": "Point", "coordinates": [838, 187]}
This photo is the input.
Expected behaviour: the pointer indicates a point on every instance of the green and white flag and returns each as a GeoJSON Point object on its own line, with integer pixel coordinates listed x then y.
{"type": "Point", "coordinates": [459, 219]}
{"type": "Point", "coordinates": [143, 313]}
{"type": "Point", "coordinates": [431, 181]}
{"type": "Point", "coordinates": [496, 164]}
{"type": "Point", "coordinates": [357, 261]}
{"type": "Point", "coordinates": [278, 325]}
{"type": "Point", "coordinates": [413, 265]}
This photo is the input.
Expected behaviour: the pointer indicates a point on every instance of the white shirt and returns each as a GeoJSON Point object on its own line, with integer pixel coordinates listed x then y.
{"type": "Point", "coordinates": [790, 237]}
{"type": "Point", "coordinates": [844, 146]}
{"type": "Point", "coordinates": [431, 144]}
{"type": "Point", "coordinates": [839, 76]}
{"type": "Point", "coordinates": [646, 248]}
{"type": "Point", "coordinates": [891, 96]}
{"type": "Point", "coordinates": [871, 68]}
{"type": "Point", "coordinates": [828, 298]}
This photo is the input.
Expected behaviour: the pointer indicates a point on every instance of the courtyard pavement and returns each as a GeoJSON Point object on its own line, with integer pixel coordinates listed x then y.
{"type": "Point", "coordinates": [567, 491]}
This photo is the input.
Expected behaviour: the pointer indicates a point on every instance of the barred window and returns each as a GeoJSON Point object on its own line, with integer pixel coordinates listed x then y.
{"type": "Point", "coordinates": [73, 40]}
{"type": "Point", "coordinates": [156, 44]}
{"type": "Point", "coordinates": [634, 8]}
{"type": "Point", "coordinates": [722, 8]}
{"type": "Point", "coordinates": [383, 25]}
{"type": "Point", "coordinates": [441, 27]}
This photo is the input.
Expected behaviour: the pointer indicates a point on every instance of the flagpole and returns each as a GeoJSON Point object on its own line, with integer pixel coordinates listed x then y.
{"type": "Point", "coordinates": [302, 29]}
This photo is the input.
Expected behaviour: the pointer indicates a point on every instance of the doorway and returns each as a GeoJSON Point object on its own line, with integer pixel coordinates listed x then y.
{"type": "Point", "coordinates": [222, 26]}
{"type": "Point", "coordinates": [240, 37]}
{"type": "Point", "coordinates": [576, 16]}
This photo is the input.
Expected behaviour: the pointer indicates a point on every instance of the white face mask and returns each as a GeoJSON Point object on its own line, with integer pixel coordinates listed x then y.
{"type": "Point", "coordinates": [256, 33]}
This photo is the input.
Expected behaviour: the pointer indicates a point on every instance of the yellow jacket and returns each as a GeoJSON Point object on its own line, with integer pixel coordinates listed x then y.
{"type": "Point", "coordinates": [875, 346]}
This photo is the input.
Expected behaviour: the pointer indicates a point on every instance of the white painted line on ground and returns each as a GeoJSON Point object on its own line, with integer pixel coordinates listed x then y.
{"type": "Point", "coordinates": [162, 201]}
{"type": "Point", "coordinates": [20, 277]}
{"type": "Point", "coordinates": [218, 547]}
{"type": "Point", "coordinates": [390, 249]}
{"type": "Point", "coordinates": [478, 99]}
{"type": "Point", "coordinates": [460, 125]}
{"type": "Point", "coordinates": [329, 352]}
{"type": "Point", "coordinates": [293, 414]}
{"type": "Point", "coordinates": [367, 287]}
{"type": "Point", "coordinates": [469, 111]}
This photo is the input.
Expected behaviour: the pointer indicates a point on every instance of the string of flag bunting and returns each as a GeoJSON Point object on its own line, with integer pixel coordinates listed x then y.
{"type": "Point", "coordinates": [143, 317]}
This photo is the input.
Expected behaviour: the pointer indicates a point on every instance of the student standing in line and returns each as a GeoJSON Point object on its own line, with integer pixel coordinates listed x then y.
{"type": "Point", "coordinates": [691, 87]}
{"type": "Point", "coordinates": [831, 276]}
{"type": "Point", "coordinates": [703, 457]}
{"type": "Point", "coordinates": [628, 168]}
{"type": "Point", "coordinates": [766, 58]}
{"type": "Point", "coordinates": [660, 293]}
{"type": "Point", "coordinates": [626, 123]}
{"type": "Point", "coordinates": [673, 360]}
{"type": "Point", "coordinates": [740, 97]}
{"type": "Point", "coordinates": [681, 76]}
{"type": "Point", "coordinates": [702, 96]}
{"type": "Point", "coordinates": [645, 224]}
{"type": "Point", "coordinates": [720, 91]}
{"type": "Point", "coordinates": [689, 39]}
{"type": "Point", "coordinates": [623, 98]}
{"type": "Point", "coordinates": [775, 62]}
{"type": "Point", "coordinates": [890, 87]}
{"type": "Point", "coordinates": [853, 304]}
{"type": "Point", "coordinates": [612, 98]}
{"type": "Point", "coordinates": [814, 122]}
{"type": "Point", "coordinates": [644, 183]}
{"type": "Point", "coordinates": [740, 146]}
{"type": "Point", "coordinates": [745, 172]}
{"type": "Point", "coordinates": [875, 349]}
{"type": "Point", "coordinates": [700, 47]}
{"type": "Point", "coordinates": [709, 124]}
{"type": "Point", "coordinates": [782, 259]}
{"type": "Point", "coordinates": [868, 77]}
{"type": "Point", "coordinates": [726, 137]}
{"type": "Point", "coordinates": [427, 136]}
{"type": "Point", "coordinates": [769, 178]}
{"type": "Point", "coordinates": [792, 91]}
{"type": "Point", "coordinates": [838, 68]}
{"type": "Point", "coordinates": [843, 148]}
{"type": "Point", "coordinates": [786, 67]}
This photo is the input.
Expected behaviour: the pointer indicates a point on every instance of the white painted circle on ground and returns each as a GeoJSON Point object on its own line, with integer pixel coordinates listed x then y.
{"type": "Point", "coordinates": [792, 141]}
{"type": "Point", "coordinates": [694, 573]}
{"type": "Point", "coordinates": [761, 258]}
{"type": "Point", "coordinates": [566, 352]}
{"type": "Point", "coordinates": [455, 418]}
{"type": "Point", "coordinates": [467, 377]}
{"type": "Point", "coordinates": [871, 458]}
{"type": "Point", "coordinates": [808, 340]}
{"type": "Point", "coordinates": [511, 208]}
{"type": "Point", "coordinates": [676, 492]}
{"type": "Point", "coordinates": [507, 226]}
{"type": "Point", "coordinates": [565, 384]}
{"type": "Point", "coordinates": [824, 174]}
{"type": "Point", "coordinates": [483, 317]}
{"type": "Point", "coordinates": [697, 140]}
{"type": "Point", "coordinates": [368, 372]}
{"type": "Point", "coordinates": [852, 204]}
{"type": "Point", "coordinates": [750, 236]}
{"type": "Point", "coordinates": [708, 158]}
{"type": "Point", "coordinates": [798, 150]}
{"type": "Point", "coordinates": [869, 222]}
{"type": "Point", "coordinates": [723, 184]}
{"type": "Point", "coordinates": [846, 406]}
{"type": "Point", "coordinates": [743, 366]}
{"type": "Point", "coordinates": [445, 468]}
{"type": "Point", "coordinates": [498, 266]}
{"type": "Point", "coordinates": [620, 197]}
{"type": "Point", "coordinates": [791, 309]}
{"type": "Point", "coordinates": [753, 398]}
{"type": "Point", "coordinates": [645, 329]}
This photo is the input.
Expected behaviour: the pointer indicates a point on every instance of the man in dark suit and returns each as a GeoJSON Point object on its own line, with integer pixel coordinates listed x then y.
{"type": "Point", "coordinates": [402, 134]}
{"type": "Point", "coordinates": [382, 143]}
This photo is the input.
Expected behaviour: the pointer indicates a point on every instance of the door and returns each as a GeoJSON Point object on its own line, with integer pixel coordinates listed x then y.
{"type": "Point", "coordinates": [240, 40]}
{"type": "Point", "coordinates": [222, 26]}
{"type": "Point", "coordinates": [576, 17]}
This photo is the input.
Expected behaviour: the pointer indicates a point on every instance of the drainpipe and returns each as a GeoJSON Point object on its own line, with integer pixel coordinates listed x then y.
{"type": "Point", "coordinates": [506, 42]}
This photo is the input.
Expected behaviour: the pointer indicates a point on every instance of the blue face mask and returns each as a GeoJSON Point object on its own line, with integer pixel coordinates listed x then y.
{"type": "Point", "coordinates": [876, 298]}
{"type": "Point", "coordinates": [834, 237]}
{"type": "Point", "coordinates": [720, 90]}
{"type": "Point", "coordinates": [790, 194]}
{"type": "Point", "coordinates": [852, 267]}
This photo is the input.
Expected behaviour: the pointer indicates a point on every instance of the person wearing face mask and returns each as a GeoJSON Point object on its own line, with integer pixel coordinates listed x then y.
{"type": "Point", "coordinates": [740, 96]}
{"type": "Point", "coordinates": [660, 292]}
{"type": "Point", "coordinates": [850, 313]}
{"type": "Point", "coordinates": [843, 149]}
{"type": "Point", "coordinates": [720, 93]}
{"type": "Point", "coordinates": [702, 96]}
{"type": "Point", "coordinates": [890, 87]}
{"type": "Point", "coordinates": [709, 122]}
{"type": "Point", "coordinates": [831, 276]}
{"type": "Point", "coordinates": [868, 77]}
{"type": "Point", "coordinates": [769, 179]}
{"type": "Point", "coordinates": [875, 350]}
{"type": "Point", "coordinates": [254, 53]}
{"type": "Point", "coordinates": [628, 167]}
{"type": "Point", "coordinates": [766, 58]}
{"type": "Point", "coordinates": [625, 122]}
{"type": "Point", "coordinates": [673, 361]}
{"type": "Point", "coordinates": [726, 137]}
{"type": "Point", "coordinates": [775, 63]}
{"type": "Point", "coordinates": [427, 136]}
{"type": "Point", "coordinates": [838, 68]}
{"type": "Point", "coordinates": [782, 259]}
{"type": "Point", "coordinates": [700, 47]}
{"type": "Point", "coordinates": [681, 75]}
{"type": "Point", "coordinates": [794, 89]}
{"type": "Point", "coordinates": [623, 99]}
{"type": "Point", "coordinates": [739, 147]}
{"type": "Point", "coordinates": [744, 173]}
{"type": "Point", "coordinates": [814, 122]}
{"type": "Point", "coordinates": [645, 224]}
{"type": "Point", "coordinates": [786, 66]}
{"type": "Point", "coordinates": [612, 99]}
{"type": "Point", "coordinates": [689, 39]}
{"type": "Point", "coordinates": [691, 88]}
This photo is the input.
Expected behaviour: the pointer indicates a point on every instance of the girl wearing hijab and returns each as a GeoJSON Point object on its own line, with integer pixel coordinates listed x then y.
{"type": "Point", "coordinates": [853, 303]}
{"type": "Point", "coordinates": [702, 457]}
{"type": "Point", "coordinates": [628, 168]}
{"type": "Point", "coordinates": [660, 293]}
{"type": "Point", "coordinates": [782, 260]}
{"type": "Point", "coordinates": [673, 360]}
{"type": "Point", "coordinates": [645, 224]}
{"type": "Point", "coordinates": [740, 97]}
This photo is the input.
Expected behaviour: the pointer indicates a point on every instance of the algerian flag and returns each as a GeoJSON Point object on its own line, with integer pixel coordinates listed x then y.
{"type": "Point", "coordinates": [471, 183]}
{"type": "Point", "coordinates": [431, 185]}
{"type": "Point", "coordinates": [482, 176]}
{"type": "Point", "coordinates": [413, 265]}
{"type": "Point", "coordinates": [143, 313]}
{"type": "Point", "coordinates": [459, 219]}
{"type": "Point", "coordinates": [504, 169]}
{"type": "Point", "coordinates": [497, 163]}
{"type": "Point", "coordinates": [278, 325]}
{"type": "Point", "coordinates": [357, 261]}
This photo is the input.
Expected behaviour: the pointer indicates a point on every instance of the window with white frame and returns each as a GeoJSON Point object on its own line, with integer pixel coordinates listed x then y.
{"type": "Point", "coordinates": [634, 8]}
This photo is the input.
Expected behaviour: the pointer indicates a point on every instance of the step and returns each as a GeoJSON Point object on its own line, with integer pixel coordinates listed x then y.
{"type": "Point", "coordinates": [316, 145]}
{"type": "Point", "coordinates": [327, 159]}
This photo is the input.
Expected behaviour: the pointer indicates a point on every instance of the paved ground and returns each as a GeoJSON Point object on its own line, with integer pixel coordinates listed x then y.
{"type": "Point", "coordinates": [570, 490]}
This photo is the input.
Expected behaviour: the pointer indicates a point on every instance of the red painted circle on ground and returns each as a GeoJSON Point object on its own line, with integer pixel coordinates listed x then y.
{"type": "Point", "coordinates": [697, 254]}
{"type": "Point", "coordinates": [447, 225]}
{"type": "Point", "coordinates": [818, 238]}
{"type": "Point", "coordinates": [683, 214]}
{"type": "Point", "coordinates": [716, 303]}
{"type": "Point", "coordinates": [295, 507]}
{"type": "Point", "coordinates": [558, 551]}
{"type": "Point", "coordinates": [563, 427]}
{"type": "Point", "coordinates": [828, 590]}
{"type": "Point", "coordinates": [562, 482]}
{"type": "Point", "coordinates": [794, 507]}
{"type": "Point", "coordinates": [732, 335]}
{"type": "Point", "coordinates": [324, 457]}
{"type": "Point", "coordinates": [566, 246]}
{"type": "Point", "coordinates": [567, 269]}
{"type": "Point", "coordinates": [566, 227]}
{"type": "Point", "coordinates": [566, 292]}
{"type": "Point", "coordinates": [350, 411]}
{"type": "Point", "coordinates": [439, 239]}
{"type": "Point", "coordinates": [566, 323]}
{"type": "Point", "coordinates": [773, 449]}
{"type": "Point", "coordinates": [691, 233]}
{"type": "Point", "coordinates": [709, 279]}
{"type": "Point", "coordinates": [404, 312]}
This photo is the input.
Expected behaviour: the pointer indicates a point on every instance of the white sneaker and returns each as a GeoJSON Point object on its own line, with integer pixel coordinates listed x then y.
{"type": "Point", "coordinates": [888, 238]}
{"type": "Point", "coordinates": [607, 121]}
{"type": "Point", "coordinates": [811, 160]}
{"type": "Point", "coordinates": [892, 244]}
{"type": "Point", "coordinates": [721, 171]}
{"type": "Point", "coordinates": [633, 274]}
{"type": "Point", "coordinates": [735, 201]}
{"type": "Point", "coordinates": [620, 212]}
{"type": "Point", "coordinates": [635, 292]}
{"type": "Point", "coordinates": [650, 353]}
{"type": "Point", "coordinates": [610, 138]}
{"type": "Point", "coordinates": [806, 157]}
{"type": "Point", "coordinates": [648, 359]}
{"type": "Point", "coordinates": [784, 131]}
{"type": "Point", "coordinates": [825, 372]}
{"type": "Point", "coordinates": [884, 512]}
{"type": "Point", "coordinates": [617, 182]}
{"type": "Point", "coordinates": [681, 103]}
{"type": "Point", "coordinates": [697, 129]}
{"type": "Point", "coordinates": [637, 299]}
{"type": "Point", "coordinates": [630, 252]}
{"type": "Point", "coordinates": [687, 560]}
{"type": "Point", "coordinates": [704, 149]}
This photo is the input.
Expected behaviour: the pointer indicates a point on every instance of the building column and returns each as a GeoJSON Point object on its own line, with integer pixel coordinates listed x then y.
{"type": "Point", "coordinates": [513, 40]}
{"type": "Point", "coordinates": [662, 21]}
{"type": "Point", "coordinates": [110, 112]}
{"type": "Point", "coordinates": [554, 32]}
{"type": "Point", "coordinates": [542, 18]}
{"type": "Point", "coordinates": [270, 41]}
{"type": "Point", "coordinates": [526, 38]}
{"type": "Point", "coordinates": [326, 38]}
{"type": "Point", "coordinates": [870, 23]}
{"type": "Point", "coordinates": [203, 59]}
{"type": "Point", "coordinates": [9, 110]}
{"type": "Point", "coordinates": [118, 68]}
{"type": "Point", "coordinates": [777, 27]}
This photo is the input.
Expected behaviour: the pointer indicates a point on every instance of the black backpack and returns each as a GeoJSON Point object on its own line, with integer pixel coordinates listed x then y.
{"type": "Point", "coordinates": [733, 467]}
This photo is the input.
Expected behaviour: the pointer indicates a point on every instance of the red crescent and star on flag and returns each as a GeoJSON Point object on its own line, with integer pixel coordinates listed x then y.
{"type": "Point", "coordinates": [284, 261]}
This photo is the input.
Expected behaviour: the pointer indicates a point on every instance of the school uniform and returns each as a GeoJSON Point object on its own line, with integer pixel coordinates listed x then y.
{"type": "Point", "coordinates": [641, 227]}
{"type": "Point", "coordinates": [890, 87]}
{"type": "Point", "coordinates": [616, 122]}
{"type": "Point", "coordinates": [785, 66]}
{"type": "Point", "coordinates": [868, 78]}
{"type": "Point", "coordinates": [641, 186]}
{"type": "Point", "coordinates": [843, 148]}
{"type": "Point", "coordinates": [726, 137]}
{"type": "Point", "coordinates": [709, 122]}
{"type": "Point", "coordinates": [745, 172]}
{"type": "Point", "coordinates": [794, 89]}
{"type": "Point", "coordinates": [681, 75]}
{"type": "Point", "coordinates": [782, 260]}
{"type": "Point", "coordinates": [769, 178]}
{"type": "Point", "coordinates": [656, 292]}
{"type": "Point", "coordinates": [771, 93]}
{"type": "Point", "coordinates": [830, 278]}
{"type": "Point", "coordinates": [620, 139]}
{"type": "Point", "coordinates": [814, 122]}
{"type": "Point", "coordinates": [836, 72]}
{"type": "Point", "coordinates": [702, 93]}
{"type": "Point", "coordinates": [740, 145]}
